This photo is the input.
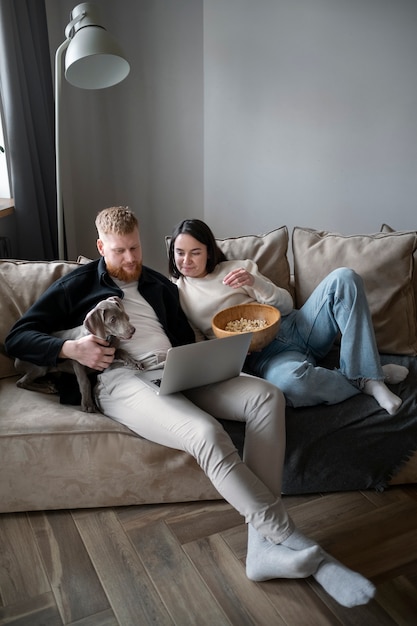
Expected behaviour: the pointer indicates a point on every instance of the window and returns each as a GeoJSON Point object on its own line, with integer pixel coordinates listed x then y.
{"type": "Point", "coordinates": [4, 175]}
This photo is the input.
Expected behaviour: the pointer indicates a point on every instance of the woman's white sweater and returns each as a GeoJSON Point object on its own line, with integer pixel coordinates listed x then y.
{"type": "Point", "coordinates": [202, 298]}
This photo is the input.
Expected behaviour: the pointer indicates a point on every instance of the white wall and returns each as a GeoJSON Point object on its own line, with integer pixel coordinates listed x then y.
{"type": "Point", "coordinates": [249, 115]}
{"type": "Point", "coordinates": [310, 114]}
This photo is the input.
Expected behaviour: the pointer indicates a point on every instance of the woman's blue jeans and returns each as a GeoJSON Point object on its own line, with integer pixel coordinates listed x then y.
{"type": "Point", "coordinates": [338, 305]}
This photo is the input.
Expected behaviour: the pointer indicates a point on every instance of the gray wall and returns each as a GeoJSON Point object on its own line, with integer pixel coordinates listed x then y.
{"type": "Point", "coordinates": [249, 115]}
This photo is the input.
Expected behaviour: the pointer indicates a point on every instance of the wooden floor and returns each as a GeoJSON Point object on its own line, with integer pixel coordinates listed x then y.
{"type": "Point", "coordinates": [184, 564]}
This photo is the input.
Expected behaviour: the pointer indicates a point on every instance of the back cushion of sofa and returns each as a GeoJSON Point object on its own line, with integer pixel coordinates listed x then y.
{"type": "Point", "coordinates": [269, 252]}
{"type": "Point", "coordinates": [385, 262]}
{"type": "Point", "coordinates": [385, 228]}
{"type": "Point", "coordinates": [21, 283]}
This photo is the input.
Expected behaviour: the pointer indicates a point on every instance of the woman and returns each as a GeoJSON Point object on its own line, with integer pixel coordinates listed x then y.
{"type": "Point", "coordinates": [208, 282]}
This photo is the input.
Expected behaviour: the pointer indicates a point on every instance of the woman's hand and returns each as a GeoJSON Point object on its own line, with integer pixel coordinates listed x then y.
{"type": "Point", "coordinates": [90, 351]}
{"type": "Point", "coordinates": [238, 278]}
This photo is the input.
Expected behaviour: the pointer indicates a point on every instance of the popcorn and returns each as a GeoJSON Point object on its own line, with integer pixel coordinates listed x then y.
{"type": "Point", "coordinates": [245, 326]}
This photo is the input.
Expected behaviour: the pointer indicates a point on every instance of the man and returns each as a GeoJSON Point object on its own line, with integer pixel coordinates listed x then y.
{"type": "Point", "coordinates": [185, 421]}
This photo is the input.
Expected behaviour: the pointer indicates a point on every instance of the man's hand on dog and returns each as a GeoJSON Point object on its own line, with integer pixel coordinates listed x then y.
{"type": "Point", "coordinates": [90, 351]}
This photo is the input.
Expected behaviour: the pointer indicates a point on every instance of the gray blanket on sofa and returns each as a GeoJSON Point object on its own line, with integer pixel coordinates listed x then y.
{"type": "Point", "coordinates": [348, 446]}
{"type": "Point", "coordinates": [351, 445]}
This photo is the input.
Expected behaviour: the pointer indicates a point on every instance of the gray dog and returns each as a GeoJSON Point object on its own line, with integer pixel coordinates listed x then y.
{"type": "Point", "coordinates": [108, 320]}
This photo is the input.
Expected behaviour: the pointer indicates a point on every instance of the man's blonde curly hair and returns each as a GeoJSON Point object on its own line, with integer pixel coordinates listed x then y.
{"type": "Point", "coordinates": [119, 220]}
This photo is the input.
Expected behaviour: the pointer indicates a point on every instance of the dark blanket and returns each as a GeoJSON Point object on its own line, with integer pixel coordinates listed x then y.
{"type": "Point", "coordinates": [343, 447]}
{"type": "Point", "coordinates": [354, 444]}
{"type": "Point", "coordinates": [351, 445]}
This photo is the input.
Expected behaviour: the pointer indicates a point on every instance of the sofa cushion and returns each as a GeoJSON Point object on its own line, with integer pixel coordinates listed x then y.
{"type": "Point", "coordinates": [57, 457]}
{"type": "Point", "coordinates": [387, 229]}
{"type": "Point", "coordinates": [21, 284]}
{"type": "Point", "coordinates": [269, 251]}
{"type": "Point", "coordinates": [385, 262]}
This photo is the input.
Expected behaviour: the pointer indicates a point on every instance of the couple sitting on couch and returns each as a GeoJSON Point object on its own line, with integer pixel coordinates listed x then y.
{"type": "Point", "coordinates": [208, 282]}
{"type": "Point", "coordinates": [187, 421]}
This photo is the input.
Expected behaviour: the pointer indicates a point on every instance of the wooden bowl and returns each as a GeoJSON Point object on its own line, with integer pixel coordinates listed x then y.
{"type": "Point", "coordinates": [254, 311]}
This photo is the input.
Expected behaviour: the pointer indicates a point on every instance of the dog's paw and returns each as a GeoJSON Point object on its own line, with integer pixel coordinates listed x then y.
{"type": "Point", "coordinates": [50, 388]}
{"type": "Point", "coordinates": [132, 363]}
{"type": "Point", "coordinates": [44, 387]}
{"type": "Point", "coordinates": [86, 407]}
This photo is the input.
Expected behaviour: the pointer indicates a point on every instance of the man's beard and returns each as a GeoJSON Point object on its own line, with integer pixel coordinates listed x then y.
{"type": "Point", "coordinates": [123, 275]}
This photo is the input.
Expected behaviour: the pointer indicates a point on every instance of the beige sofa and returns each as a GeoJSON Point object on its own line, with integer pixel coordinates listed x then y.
{"type": "Point", "coordinates": [54, 456]}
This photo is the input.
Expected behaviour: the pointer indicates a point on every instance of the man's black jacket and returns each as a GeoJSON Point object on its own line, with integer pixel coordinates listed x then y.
{"type": "Point", "coordinates": [67, 301]}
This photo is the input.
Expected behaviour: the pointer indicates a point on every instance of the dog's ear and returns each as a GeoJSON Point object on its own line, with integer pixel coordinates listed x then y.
{"type": "Point", "coordinates": [94, 322]}
{"type": "Point", "coordinates": [116, 300]}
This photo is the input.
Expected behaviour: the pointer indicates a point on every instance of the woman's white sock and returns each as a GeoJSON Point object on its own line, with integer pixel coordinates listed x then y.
{"type": "Point", "coordinates": [385, 398]}
{"type": "Point", "coordinates": [394, 373]}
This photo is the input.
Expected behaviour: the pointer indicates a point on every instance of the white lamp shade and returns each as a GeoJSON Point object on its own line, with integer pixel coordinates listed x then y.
{"type": "Point", "coordinates": [94, 59]}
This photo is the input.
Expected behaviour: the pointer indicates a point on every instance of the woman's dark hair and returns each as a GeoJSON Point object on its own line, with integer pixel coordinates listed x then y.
{"type": "Point", "coordinates": [200, 231]}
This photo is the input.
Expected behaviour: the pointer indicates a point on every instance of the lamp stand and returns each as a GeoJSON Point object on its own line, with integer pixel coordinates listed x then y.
{"type": "Point", "coordinates": [94, 61]}
{"type": "Point", "coordinates": [59, 201]}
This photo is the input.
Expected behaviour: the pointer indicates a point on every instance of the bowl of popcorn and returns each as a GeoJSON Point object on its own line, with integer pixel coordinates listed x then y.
{"type": "Point", "coordinates": [262, 320]}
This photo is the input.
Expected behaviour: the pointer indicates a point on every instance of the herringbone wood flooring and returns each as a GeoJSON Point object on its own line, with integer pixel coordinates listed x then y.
{"type": "Point", "coordinates": [183, 564]}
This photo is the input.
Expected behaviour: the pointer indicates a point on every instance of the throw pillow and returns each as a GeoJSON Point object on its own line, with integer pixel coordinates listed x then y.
{"type": "Point", "coordinates": [385, 262]}
{"type": "Point", "coordinates": [21, 283]}
{"type": "Point", "coordinates": [387, 229]}
{"type": "Point", "coordinates": [269, 252]}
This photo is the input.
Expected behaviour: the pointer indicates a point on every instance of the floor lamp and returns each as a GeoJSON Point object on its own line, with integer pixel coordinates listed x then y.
{"type": "Point", "coordinates": [93, 60]}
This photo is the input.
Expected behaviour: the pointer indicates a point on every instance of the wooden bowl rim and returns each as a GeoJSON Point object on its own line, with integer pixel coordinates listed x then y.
{"type": "Point", "coordinates": [248, 304]}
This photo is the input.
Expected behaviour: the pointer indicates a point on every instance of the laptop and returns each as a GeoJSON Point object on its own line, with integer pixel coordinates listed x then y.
{"type": "Point", "coordinates": [198, 364]}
